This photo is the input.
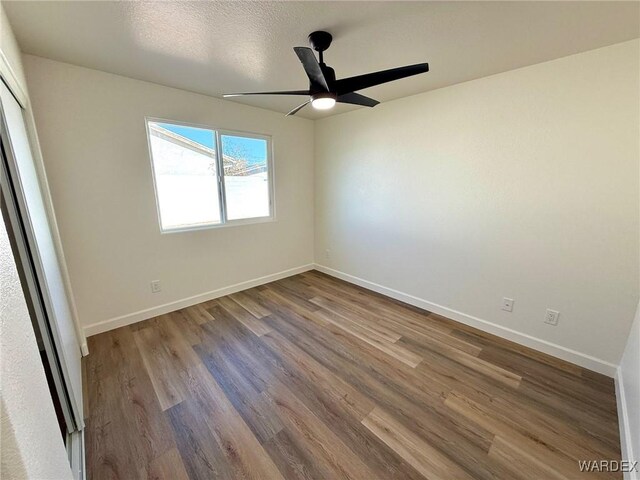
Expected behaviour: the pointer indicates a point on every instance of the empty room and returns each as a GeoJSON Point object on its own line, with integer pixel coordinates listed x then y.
{"type": "Point", "coordinates": [320, 240]}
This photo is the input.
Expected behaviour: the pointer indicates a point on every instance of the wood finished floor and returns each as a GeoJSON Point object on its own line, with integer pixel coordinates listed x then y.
{"type": "Point", "coordinates": [313, 378]}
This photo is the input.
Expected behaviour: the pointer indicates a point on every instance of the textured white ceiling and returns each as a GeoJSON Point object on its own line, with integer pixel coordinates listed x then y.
{"type": "Point", "coordinates": [220, 47]}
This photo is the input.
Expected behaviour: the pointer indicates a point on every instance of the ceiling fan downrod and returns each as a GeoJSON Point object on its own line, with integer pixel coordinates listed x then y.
{"type": "Point", "coordinates": [320, 41]}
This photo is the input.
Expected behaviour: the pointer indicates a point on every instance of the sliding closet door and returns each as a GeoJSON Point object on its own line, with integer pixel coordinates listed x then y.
{"type": "Point", "coordinates": [40, 248]}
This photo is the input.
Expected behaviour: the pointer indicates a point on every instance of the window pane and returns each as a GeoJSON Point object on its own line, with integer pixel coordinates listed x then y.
{"type": "Point", "coordinates": [246, 179]}
{"type": "Point", "coordinates": [185, 172]}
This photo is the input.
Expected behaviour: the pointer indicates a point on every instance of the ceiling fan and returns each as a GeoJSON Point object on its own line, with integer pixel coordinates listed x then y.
{"type": "Point", "coordinates": [324, 90]}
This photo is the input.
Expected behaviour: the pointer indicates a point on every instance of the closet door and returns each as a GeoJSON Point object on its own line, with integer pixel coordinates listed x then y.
{"type": "Point", "coordinates": [49, 293]}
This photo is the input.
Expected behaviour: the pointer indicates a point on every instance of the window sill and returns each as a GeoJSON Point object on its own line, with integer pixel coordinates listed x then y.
{"type": "Point", "coordinates": [232, 223]}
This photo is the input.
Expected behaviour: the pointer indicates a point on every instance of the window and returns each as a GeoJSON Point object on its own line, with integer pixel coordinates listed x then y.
{"type": "Point", "coordinates": [205, 177]}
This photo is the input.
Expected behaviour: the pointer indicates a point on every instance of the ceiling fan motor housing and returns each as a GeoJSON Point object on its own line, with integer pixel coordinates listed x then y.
{"type": "Point", "coordinates": [320, 40]}
{"type": "Point", "coordinates": [329, 75]}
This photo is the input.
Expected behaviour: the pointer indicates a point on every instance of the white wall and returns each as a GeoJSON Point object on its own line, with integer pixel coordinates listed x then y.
{"type": "Point", "coordinates": [629, 387]}
{"type": "Point", "coordinates": [92, 134]}
{"type": "Point", "coordinates": [520, 185]}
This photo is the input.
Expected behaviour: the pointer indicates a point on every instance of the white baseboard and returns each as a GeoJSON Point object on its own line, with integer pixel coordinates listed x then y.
{"type": "Point", "coordinates": [626, 444]}
{"type": "Point", "coordinates": [573, 356]}
{"type": "Point", "coordinates": [84, 348]}
{"type": "Point", "coordinates": [138, 316]}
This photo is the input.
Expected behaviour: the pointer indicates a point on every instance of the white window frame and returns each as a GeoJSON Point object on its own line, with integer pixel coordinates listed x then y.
{"type": "Point", "coordinates": [222, 198]}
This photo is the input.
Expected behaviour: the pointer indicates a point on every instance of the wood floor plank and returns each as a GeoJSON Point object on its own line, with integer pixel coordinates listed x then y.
{"type": "Point", "coordinates": [293, 462]}
{"type": "Point", "coordinates": [484, 339]}
{"type": "Point", "coordinates": [190, 328]}
{"type": "Point", "coordinates": [198, 314]}
{"type": "Point", "coordinates": [519, 461]}
{"type": "Point", "coordinates": [366, 323]}
{"type": "Point", "coordinates": [291, 291]}
{"type": "Point", "coordinates": [242, 450]}
{"type": "Point", "coordinates": [583, 390]}
{"type": "Point", "coordinates": [392, 349]}
{"type": "Point", "coordinates": [342, 409]}
{"type": "Point", "coordinates": [250, 305]}
{"type": "Point", "coordinates": [533, 450]}
{"type": "Point", "coordinates": [254, 324]}
{"type": "Point", "coordinates": [362, 300]}
{"type": "Point", "coordinates": [202, 456]}
{"type": "Point", "coordinates": [317, 438]}
{"type": "Point", "coordinates": [343, 353]}
{"type": "Point", "coordinates": [403, 321]}
{"type": "Point", "coordinates": [435, 337]}
{"type": "Point", "coordinates": [160, 368]}
{"type": "Point", "coordinates": [240, 346]}
{"type": "Point", "coordinates": [313, 378]}
{"type": "Point", "coordinates": [168, 358]}
{"type": "Point", "coordinates": [590, 420]}
{"type": "Point", "coordinates": [312, 326]}
{"type": "Point", "coordinates": [521, 364]}
{"type": "Point", "coordinates": [476, 364]}
{"type": "Point", "coordinates": [522, 401]}
{"type": "Point", "coordinates": [319, 376]}
{"type": "Point", "coordinates": [404, 328]}
{"type": "Point", "coordinates": [276, 301]}
{"type": "Point", "coordinates": [125, 430]}
{"type": "Point", "coordinates": [537, 424]}
{"type": "Point", "coordinates": [251, 406]}
{"type": "Point", "coordinates": [417, 452]}
{"type": "Point", "coordinates": [167, 466]}
{"type": "Point", "coordinates": [282, 306]}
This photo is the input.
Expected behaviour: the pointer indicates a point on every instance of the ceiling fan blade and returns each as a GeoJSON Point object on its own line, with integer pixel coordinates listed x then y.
{"type": "Point", "coordinates": [312, 67]}
{"type": "Point", "coordinates": [299, 107]}
{"type": "Point", "coordinates": [289, 92]}
{"type": "Point", "coordinates": [357, 99]}
{"type": "Point", "coordinates": [360, 82]}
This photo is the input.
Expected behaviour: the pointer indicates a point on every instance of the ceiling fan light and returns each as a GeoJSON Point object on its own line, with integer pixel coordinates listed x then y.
{"type": "Point", "coordinates": [323, 101]}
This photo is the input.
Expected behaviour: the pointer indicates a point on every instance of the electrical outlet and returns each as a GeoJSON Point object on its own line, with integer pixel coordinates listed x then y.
{"type": "Point", "coordinates": [155, 286]}
{"type": "Point", "coordinates": [507, 304]}
{"type": "Point", "coordinates": [551, 317]}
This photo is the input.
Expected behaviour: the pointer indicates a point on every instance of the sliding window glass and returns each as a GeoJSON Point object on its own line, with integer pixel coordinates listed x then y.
{"type": "Point", "coordinates": [246, 176]}
{"type": "Point", "coordinates": [205, 177]}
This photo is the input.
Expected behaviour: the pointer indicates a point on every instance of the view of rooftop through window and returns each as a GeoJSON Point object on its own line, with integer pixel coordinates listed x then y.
{"type": "Point", "coordinates": [186, 176]}
{"type": "Point", "coordinates": [250, 149]}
